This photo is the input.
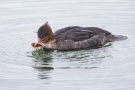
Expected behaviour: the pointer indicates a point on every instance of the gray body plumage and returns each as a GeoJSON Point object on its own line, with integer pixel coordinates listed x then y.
{"type": "Point", "coordinates": [75, 37]}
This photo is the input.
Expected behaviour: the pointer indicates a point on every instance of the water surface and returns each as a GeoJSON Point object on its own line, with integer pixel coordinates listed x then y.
{"type": "Point", "coordinates": [111, 67]}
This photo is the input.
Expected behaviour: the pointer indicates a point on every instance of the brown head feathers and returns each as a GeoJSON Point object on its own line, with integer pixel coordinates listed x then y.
{"type": "Point", "coordinates": [45, 33]}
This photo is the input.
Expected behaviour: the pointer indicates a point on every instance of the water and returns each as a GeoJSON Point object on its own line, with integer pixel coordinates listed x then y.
{"type": "Point", "coordinates": [111, 67]}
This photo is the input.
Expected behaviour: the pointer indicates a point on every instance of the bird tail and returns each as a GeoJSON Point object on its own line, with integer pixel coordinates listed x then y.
{"type": "Point", "coordinates": [113, 38]}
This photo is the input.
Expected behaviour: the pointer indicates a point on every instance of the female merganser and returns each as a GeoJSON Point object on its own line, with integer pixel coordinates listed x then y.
{"type": "Point", "coordinates": [73, 38]}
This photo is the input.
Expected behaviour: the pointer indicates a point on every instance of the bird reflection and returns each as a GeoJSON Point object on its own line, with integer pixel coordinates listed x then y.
{"type": "Point", "coordinates": [80, 59]}
{"type": "Point", "coordinates": [43, 63]}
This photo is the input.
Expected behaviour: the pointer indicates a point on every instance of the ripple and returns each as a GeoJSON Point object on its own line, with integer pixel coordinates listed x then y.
{"type": "Point", "coordinates": [14, 48]}
{"type": "Point", "coordinates": [109, 67]}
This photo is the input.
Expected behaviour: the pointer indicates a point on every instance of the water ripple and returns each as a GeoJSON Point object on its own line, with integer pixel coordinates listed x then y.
{"type": "Point", "coordinates": [106, 68]}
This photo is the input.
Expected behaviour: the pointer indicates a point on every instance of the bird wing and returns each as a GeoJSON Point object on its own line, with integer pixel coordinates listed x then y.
{"type": "Point", "coordinates": [77, 33]}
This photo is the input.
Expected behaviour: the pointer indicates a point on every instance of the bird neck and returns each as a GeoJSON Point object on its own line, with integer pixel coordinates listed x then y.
{"type": "Point", "coordinates": [50, 44]}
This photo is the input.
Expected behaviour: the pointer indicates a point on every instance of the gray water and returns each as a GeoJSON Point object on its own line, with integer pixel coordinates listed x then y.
{"type": "Point", "coordinates": [111, 67]}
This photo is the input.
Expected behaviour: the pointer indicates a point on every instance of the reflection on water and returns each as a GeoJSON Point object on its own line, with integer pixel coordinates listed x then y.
{"type": "Point", "coordinates": [78, 59]}
{"type": "Point", "coordinates": [71, 60]}
{"type": "Point", "coordinates": [43, 60]}
{"type": "Point", "coordinates": [43, 63]}
{"type": "Point", "coordinates": [42, 55]}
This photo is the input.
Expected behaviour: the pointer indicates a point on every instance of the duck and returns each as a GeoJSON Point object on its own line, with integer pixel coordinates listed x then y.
{"type": "Point", "coordinates": [73, 38]}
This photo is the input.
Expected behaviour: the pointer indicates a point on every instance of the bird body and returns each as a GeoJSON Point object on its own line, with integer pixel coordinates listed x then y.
{"type": "Point", "coordinates": [74, 37]}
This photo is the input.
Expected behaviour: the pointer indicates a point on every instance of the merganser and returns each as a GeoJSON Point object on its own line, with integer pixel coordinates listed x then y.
{"type": "Point", "coordinates": [73, 37]}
